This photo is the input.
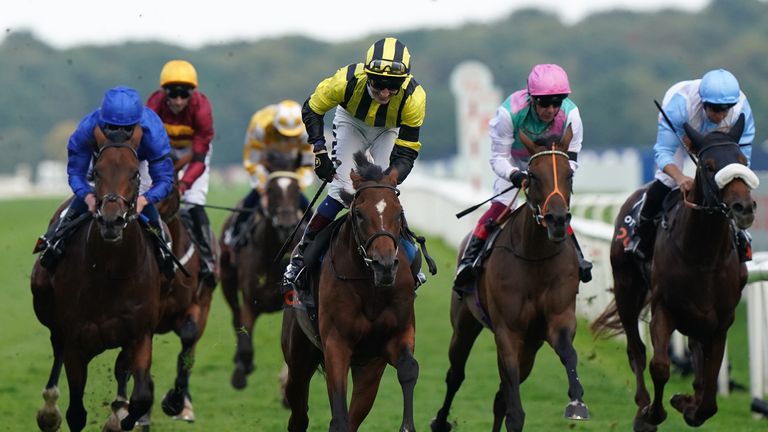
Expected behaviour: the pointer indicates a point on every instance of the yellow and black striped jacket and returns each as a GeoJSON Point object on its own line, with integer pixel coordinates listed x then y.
{"type": "Point", "coordinates": [347, 88]}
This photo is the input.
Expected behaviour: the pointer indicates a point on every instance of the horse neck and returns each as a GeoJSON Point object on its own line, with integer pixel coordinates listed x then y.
{"type": "Point", "coordinates": [702, 234]}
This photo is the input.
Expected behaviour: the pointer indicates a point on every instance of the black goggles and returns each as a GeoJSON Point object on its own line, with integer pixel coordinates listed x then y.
{"type": "Point", "coordinates": [718, 108]}
{"type": "Point", "coordinates": [387, 66]}
{"type": "Point", "coordinates": [378, 85]}
{"type": "Point", "coordinates": [117, 128]}
{"type": "Point", "coordinates": [178, 92]}
{"type": "Point", "coordinates": [548, 101]}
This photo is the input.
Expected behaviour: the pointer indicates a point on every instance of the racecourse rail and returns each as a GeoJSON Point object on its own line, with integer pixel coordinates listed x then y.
{"type": "Point", "coordinates": [431, 205]}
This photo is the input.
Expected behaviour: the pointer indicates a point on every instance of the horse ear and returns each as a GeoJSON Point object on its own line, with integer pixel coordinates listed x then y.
{"type": "Point", "coordinates": [738, 128]}
{"type": "Point", "coordinates": [693, 134]}
{"type": "Point", "coordinates": [356, 178]}
{"type": "Point", "coordinates": [566, 140]}
{"type": "Point", "coordinates": [138, 133]}
{"type": "Point", "coordinates": [529, 145]}
{"type": "Point", "coordinates": [101, 139]}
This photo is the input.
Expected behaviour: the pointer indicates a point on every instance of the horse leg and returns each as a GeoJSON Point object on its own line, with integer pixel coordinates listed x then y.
{"type": "Point", "coordinates": [560, 334]}
{"type": "Point", "coordinates": [365, 385]}
{"type": "Point", "coordinates": [465, 331]}
{"type": "Point", "coordinates": [302, 359]}
{"type": "Point", "coordinates": [708, 357]}
{"type": "Point", "coordinates": [143, 388]}
{"type": "Point", "coordinates": [661, 332]}
{"type": "Point", "coordinates": [174, 400]}
{"type": "Point", "coordinates": [49, 416]}
{"type": "Point", "coordinates": [407, 374]}
{"type": "Point", "coordinates": [337, 357]}
{"type": "Point", "coordinates": [244, 351]}
{"type": "Point", "coordinates": [509, 345]}
{"type": "Point", "coordinates": [119, 406]}
{"type": "Point", "coordinates": [76, 368]}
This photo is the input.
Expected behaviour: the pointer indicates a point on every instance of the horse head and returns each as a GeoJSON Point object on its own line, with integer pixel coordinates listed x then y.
{"type": "Point", "coordinates": [550, 181]}
{"type": "Point", "coordinates": [723, 181]}
{"type": "Point", "coordinates": [282, 194]}
{"type": "Point", "coordinates": [116, 177]}
{"type": "Point", "coordinates": [376, 218]}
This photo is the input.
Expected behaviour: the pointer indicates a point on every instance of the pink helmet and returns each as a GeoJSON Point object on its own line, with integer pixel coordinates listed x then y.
{"type": "Point", "coordinates": [548, 79]}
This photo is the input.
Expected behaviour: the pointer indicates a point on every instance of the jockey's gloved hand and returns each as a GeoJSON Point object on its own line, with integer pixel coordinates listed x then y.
{"type": "Point", "coordinates": [323, 166]}
{"type": "Point", "coordinates": [518, 177]}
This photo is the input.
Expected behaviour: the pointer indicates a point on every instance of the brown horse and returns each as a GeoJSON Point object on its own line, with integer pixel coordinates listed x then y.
{"type": "Point", "coordinates": [106, 291]}
{"type": "Point", "coordinates": [693, 283]}
{"type": "Point", "coordinates": [526, 294]}
{"type": "Point", "coordinates": [254, 272]}
{"type": "Point", "coordinates": [365, 310]}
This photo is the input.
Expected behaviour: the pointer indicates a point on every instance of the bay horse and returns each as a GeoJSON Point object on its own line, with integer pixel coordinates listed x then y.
{"type": "Point", "coordinates": [254, 273]}
{"type": "Point", "coordinates": [365, 312]}
{"type": "Point", "coordinates": [105, 293]}
{"type": "Point", "coordinates": [526, 293]}
{"type": "Point", "coordinates": [693, 283]}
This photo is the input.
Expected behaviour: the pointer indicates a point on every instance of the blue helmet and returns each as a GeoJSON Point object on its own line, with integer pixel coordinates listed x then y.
{"type": "Point", "coordinates": [719, 87]}
{"type": "Point", "coordinates": [121, 106]}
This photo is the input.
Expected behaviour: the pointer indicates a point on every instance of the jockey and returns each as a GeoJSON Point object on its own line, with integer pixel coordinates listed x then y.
{"type": "Point", "coordinates": [379, 108]}
{"type": "Point", "coordinates": [120, 113]}
{"type": "Point", "coordinates": [713, 102]}
{"type": "Point", "coordinates": [278, 129]}
{"type": "Point", "coordinates": [542, 109]}
{"type": "Point", "coordinates": [186, 114]}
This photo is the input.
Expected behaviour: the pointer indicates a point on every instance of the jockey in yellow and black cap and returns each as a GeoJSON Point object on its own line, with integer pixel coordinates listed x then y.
{"type": "Point", "coordinates": [380, 108]}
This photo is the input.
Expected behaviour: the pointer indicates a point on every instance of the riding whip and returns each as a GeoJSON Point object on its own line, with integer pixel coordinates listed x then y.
{"type": "Point", "coordinates": [232, 209]}
{"type": "Point", "coordinates": [465, 212]}
{"type": "Point", "coordinates": [164, 246]}
{"type": "Point", "coordinates": [671, 126]}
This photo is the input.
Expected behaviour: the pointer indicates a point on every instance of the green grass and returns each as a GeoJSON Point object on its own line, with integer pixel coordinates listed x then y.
{"type": "Point", "coordinates": [25, 359]}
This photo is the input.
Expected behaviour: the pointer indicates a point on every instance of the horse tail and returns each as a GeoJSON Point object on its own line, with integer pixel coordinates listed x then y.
{"type": "Point", "coordinates": [608, 324]}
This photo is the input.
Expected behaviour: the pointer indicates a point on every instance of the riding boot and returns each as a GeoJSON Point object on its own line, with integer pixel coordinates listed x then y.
{"type": "Point", "coordinates": [51, 244]}
{"type": "Point", "coordinates": [234, 236]}
{"type": "Point", "coordinates": [465, 272]}
{"type": "Point", "coordinates": [292, 279]}
{"type": "Point", "coordinates": [643, 233]}
{"type": "Point", "coordinates": [585, 267]}
{"type": "Point", "coordinates": [164, 258]}
{"type": "Point", "coordinates": [201, 229]}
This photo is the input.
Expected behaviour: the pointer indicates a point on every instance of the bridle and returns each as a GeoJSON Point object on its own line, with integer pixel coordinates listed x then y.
{"type": "Point", "coordinates": [280, 209]}
{"type": "Point", "coordinates": [539, 211]}
{"type": "Point", "coordinates": [112, 196]}
{"type": "Point", "coordinates": [712, 202]}
{"type": "Point", "coordinates": [362, 247]}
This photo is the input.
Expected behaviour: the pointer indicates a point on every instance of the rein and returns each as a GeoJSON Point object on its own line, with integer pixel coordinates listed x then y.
{"type": "Point", "coordinates": [539, 211]}
{"type": "Point", "coordinates": [112, 196]}
{"type": "Point", "coordinates": [710, 189]}
{"type": "Point", "coordinates": [362, 247]}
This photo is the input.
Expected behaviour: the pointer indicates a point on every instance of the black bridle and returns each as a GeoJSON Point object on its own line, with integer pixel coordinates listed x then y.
{"type": "Point", "coordinates": [712, 202]}
{"type": "Point", "coordinates": [362, 247]}
{"type": "Point", "coordinates": [112, 196]}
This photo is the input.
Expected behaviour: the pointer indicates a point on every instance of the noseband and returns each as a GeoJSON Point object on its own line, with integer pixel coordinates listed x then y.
{"type": "Point", "coordinates": [362, 247]}
{"type": "Point", "coordinates": [712, 202]}
{"type": "Point", "coordinates": [112, 196]}
{"type": "Point", "coordinates": [540, 210]}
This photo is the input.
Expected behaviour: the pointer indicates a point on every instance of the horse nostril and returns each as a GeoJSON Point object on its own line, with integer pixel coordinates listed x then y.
{"type": "Point", "coordinates": [737, 207]}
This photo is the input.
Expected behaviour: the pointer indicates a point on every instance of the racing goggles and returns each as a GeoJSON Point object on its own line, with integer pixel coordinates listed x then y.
{"type": "Point", "coordinates": [117, 133]}
{"type": "Point", "coordinates": [387, 67]}
{"type": "Point", "coordinates": [548, 101]}
{"type": "Point", "coordinates": [381, 85]}
{"type": "Point", "coordinates": [718, 108]}
{"type": "Point", "coordinates": [174, 92]}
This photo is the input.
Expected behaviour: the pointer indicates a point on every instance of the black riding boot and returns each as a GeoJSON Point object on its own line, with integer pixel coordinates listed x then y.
{"type": "Point", "coordinates": [643, 234]}
{"type": "Point", "coordinates": [585, 267]}
{"type": "Point", "coordinates": [51, 244]}
{"type": "Point", "coordinates": [235, 234]}
{"type": "Point", "coordinates": [164, 258]}
{"type": "Point", "coordinates": [204, 239]}
{"type": "Point", "coordinates": [465, 271]}
{"type": "Point", "coordinates": [292, 279]}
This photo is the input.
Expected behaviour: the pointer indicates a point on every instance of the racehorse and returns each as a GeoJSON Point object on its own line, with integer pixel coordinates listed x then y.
{"type": "Point", "coordinates": [254, 272]}
{"type": "Point", "coordinates": [694, 281]}
{"type": "Point", "coordinates": [527, 292]}
{"type": "Point", "coordinates": [105, 293]}
{"type": "Point", "coordinates": [365, 316]}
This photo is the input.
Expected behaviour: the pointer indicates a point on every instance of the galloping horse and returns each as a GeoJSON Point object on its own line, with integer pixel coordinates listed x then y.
{"type": "Point", "coordinates": [365, 309]}
{"type": "Point", "coordinates": [105, 293]}
{"type": "Point", "coordinates": [254, 271]}
{"type": "Point", "coordinates": [526, 293]}
{"type": "Point", "coordinates": [694, 281]}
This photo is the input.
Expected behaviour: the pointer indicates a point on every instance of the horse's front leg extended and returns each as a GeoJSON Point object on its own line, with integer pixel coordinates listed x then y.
{"type": "Point", "coordinates": [337, 355]}
{"type": "Point", "coordinates": [708, 358]}
{"type": "Point", "coordinates": [365, 385]}
{"type": "Point", "coordinates": [142, 397]}
{"type": "Point", "coordinates": [661, 331]}
{"type": "Point", "coordinates": [560, 334]}
{"type": "Point", "coordinates": [407, 374]}
{"type": "Point", "coordinates": [509, 345]}
{"type": "Point", "coordinates": [176, 398]}
{"type": "Point", "coordinates": [49, 416]}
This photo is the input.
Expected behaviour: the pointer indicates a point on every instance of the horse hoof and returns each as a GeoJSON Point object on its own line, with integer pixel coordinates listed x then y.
{"type": "Point", "coordinates": [442, 426]}
{"type": "Point", "coordinates": [640, 425]}
{"type": "Point", "coordinates": [49, 416]}
{"type": "Point", "coordinates": [239, 377]}
{"type": "Point", "coordinates": [187, 414]}
{"type": "Point", "coordinates": [576, 410]}
{"type": "Point", "coordinates": [680, 402]}
{"type": "Point", "coordinates": [173, 403]}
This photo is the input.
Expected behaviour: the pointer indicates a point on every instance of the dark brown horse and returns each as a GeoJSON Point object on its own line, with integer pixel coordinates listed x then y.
{"type": "Point", "coordinates": [365, 309]}
{"type": "Point", "coordinates": [254, 272]}
{"type": "Point", "coordinates": [693, 283]}
{"type": "Point", "coordinates": [106, 291]}
{"type": "Point", "coordinates": [526, 294]}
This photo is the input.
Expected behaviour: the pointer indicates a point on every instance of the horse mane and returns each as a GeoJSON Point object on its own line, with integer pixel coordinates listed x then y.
{"type": "Point", "coordinates": [365, 169]}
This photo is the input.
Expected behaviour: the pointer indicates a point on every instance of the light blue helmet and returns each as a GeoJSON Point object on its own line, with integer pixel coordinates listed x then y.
{"type": "Point", "coordinates": [121, 106]}
{"type": "Point", "coordinates": [719, 87]}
